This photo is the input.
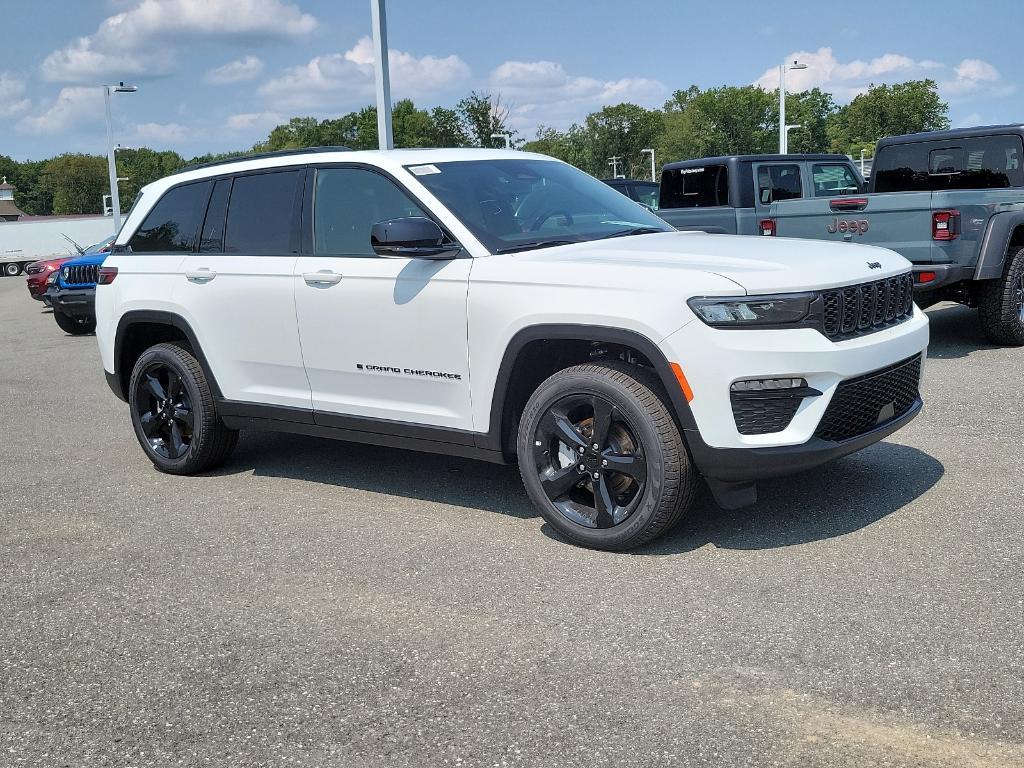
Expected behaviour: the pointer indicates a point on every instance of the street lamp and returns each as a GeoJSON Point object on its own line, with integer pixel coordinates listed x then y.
{"type": "Point", "coordinates": [385, 137]}
{"type": "Point", "coordinates": [651, 153]}
{"type": "Point", "coordinates": [783, 144]}
{"type": "Point", "coordinates": [502, 136]}
{"type": "Point", "coordinates": [789, 128]}
{"type": "Point", "coordinates": [115, 198]}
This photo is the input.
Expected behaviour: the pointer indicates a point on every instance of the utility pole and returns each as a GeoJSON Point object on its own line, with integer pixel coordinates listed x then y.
{"type": "Point", "coordinates": [385, 137]}
{"type": "Point", "coordinates": [613, 161]}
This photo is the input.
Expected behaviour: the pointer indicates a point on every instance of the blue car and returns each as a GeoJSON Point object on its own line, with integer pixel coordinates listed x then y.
{"type": "Point", "coordinates": [73, 293]}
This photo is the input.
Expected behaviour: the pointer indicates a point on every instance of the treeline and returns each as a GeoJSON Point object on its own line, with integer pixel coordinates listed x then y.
{"type": "Point", "coordinates": [692, 123]}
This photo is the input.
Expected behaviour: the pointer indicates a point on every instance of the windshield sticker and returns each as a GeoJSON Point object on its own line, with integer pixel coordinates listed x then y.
{"type": "Point", "coordinates": [423, 170]}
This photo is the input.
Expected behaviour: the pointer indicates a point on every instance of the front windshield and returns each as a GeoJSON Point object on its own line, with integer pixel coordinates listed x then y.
{"type": "Point", "coordinates": [512, 205]}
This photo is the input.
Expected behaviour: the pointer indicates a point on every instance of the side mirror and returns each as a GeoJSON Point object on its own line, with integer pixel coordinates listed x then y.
{"type": "Point", "coordinates": [415, 237]}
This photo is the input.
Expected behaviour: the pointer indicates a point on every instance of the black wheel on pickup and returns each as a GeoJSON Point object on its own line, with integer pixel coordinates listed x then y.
{"type": "Point", "coordinates": [174, 412]}
{"type": "Point", "coordinates": [76, 326]}
{"type": "Point", "coordinates": [602, 458]}
{"type": "Point", "coordinates": [1001, 303]}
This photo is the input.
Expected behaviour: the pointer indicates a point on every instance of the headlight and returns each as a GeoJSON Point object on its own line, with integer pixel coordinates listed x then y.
{"type": "Point", "coordinates": [745, 311]}
{"type": "Point", "coordinates": [51, 278]}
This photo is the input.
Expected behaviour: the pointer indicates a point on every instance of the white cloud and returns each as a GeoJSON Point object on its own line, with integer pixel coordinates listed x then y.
{"type": "Point", "coordinates": [236, 71]}
{"type": "Point", "coordinates": [141, 40]}
{"type": "Point", "coordinates": [543, 92]}
{"type": "Point", "coordinates": [248, 121]}
{"type": "Point", "coordinates": [74, 107]}
{"type": "Point", "coordinates": [845, 80]}
{"type": "Point", "coordinates": [12, 92]}
{"type": "Point", "coordinates": [160, 133]}
{"type": "Point", "coordinates": [335, 79]}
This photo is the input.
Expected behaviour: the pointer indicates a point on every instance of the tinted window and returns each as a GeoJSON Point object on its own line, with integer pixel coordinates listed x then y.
{"type": "Point", "coordinates": [778, 182]}
{"type": "Point", "coordinates": [263, 214]}
{"type": "Point", "coordinates": [834, 179]}
{"type": "Point", "coordinates": [173, 224]}
{"type": "Point", "coordinates": [646, 194]}
{"type": "Point", "coordinates": [695, 187]}
{"type": "Point", "coordinates": [212, 239]}
{"type": "Point", "coordinates": [347, 203]}
{"type": "Point", "coordinates": [984, 162]}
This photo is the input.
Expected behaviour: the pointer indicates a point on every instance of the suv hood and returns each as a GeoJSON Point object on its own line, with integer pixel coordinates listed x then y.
{"type": "Point", "coordinates": [756, 264]}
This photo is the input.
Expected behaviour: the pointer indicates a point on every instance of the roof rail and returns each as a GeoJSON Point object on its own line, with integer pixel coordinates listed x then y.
{"type": "Point", "coordinates": [261, 156]}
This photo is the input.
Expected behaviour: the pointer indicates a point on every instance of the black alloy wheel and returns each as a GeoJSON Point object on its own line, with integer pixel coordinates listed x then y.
{"type": "Point", "coordinates": [590, 462]}
{"type": "Point", "coordinates": [164, 410]}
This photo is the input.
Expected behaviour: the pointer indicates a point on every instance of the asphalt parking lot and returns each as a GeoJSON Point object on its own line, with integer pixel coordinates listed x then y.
{"type": "Point", "coordinates": [321, 603]}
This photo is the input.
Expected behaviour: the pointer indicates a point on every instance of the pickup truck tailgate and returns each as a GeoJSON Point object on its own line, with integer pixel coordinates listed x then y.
{"type": "Point", "coordinates": [901, 221]}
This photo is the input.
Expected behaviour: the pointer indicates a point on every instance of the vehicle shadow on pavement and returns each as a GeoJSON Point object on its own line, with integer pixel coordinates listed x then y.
{"type": "Point", "coordinates": [955, 332]}
{"type": "Point", "coordinates": [839, 498]}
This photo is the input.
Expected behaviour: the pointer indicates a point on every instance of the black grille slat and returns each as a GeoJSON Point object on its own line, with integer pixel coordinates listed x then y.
{"type": "Point", "coordinates": [857, 405]}
{"type": "Point", "coordinates": [82, 274]}
{"type": "Point", "coordinates": [763, 415]}
{"type": "Point", "coordinates": [858, 309]}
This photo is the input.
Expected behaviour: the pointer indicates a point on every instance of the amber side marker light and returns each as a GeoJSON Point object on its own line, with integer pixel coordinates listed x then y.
{"type": "Point", "coordinates": [683, 383]}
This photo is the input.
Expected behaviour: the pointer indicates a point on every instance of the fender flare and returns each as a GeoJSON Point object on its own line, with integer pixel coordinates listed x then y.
{"type": "Point", "coordinates": [994, 247]}
{"type": "Point", "coordinates": [492, 439]}
{"type": "Point", "coordinates": [138, 316]}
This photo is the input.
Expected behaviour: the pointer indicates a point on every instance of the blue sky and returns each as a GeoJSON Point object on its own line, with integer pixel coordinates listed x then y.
{"type": "Point", "coordinates": [218, 74]}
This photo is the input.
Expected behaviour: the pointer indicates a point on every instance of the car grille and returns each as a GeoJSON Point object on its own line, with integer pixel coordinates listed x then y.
{"type": "Point", "coordinates": [868, 307]}
{"type": "Point", "coordinates": [860, 405]}
{"type": "Point", "coordinates": [763, 415]}
{"type": "Point", "coordinates": [80, 274]}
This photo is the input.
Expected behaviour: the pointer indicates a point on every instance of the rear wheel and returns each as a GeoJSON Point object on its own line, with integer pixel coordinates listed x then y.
{"type": "Point", "coordinates": [1001, 304]}
{"type": "Point", "coordinates": [12, 269]}
{"type": "Point", "coordinates": [76, 326]}
{"type": "Point", "coordinates": [602, 458]}
{"type": "Point", "coordinates": [174, 413]}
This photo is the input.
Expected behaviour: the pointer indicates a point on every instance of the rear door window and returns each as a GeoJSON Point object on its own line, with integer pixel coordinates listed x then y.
{"type": "Point", "coordinates": [173, 224]}
{"type": "Point", "coordinates": [832, 179]}
{"type": "Point", "coordinates": [981, 162]}
{"type": "Point", "coordinates": [702, 187]}
{"type": "Point", "coordinates": [778, 182]}
{"type": "Point", "coordinates": [263, 214]}
{"type": "Point", "coordinates": [212, 239]}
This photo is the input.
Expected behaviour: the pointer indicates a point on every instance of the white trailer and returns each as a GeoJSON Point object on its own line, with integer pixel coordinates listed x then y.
{"type": "Point", "coordinates": [42, 237]}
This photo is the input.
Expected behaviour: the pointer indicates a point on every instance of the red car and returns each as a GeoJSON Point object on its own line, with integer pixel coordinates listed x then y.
{"type": "Point", "coordinates": [38, 271]}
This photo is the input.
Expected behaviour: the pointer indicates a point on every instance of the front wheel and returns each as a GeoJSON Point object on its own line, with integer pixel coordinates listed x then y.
{"type": "Point", "coordinates": [76, 326]}
{"type": "Point", "coordinates": [1001, 304]}
{"type": "Point", "coordinates": [602, 458]}
{"type": "Point", "coordinates": [12, 269]}
{"type": "Point", "coordinates": [174, 413]}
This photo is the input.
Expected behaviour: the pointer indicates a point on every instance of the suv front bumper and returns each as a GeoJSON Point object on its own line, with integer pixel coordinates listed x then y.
{"type": "Point", "coordinates": [76, 302]}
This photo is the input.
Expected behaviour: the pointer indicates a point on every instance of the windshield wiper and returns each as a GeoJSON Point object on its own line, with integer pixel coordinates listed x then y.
{"type": "Point", "coordinates": [537, 244]}
{"type": "Point", "coordinates": [634, 231]}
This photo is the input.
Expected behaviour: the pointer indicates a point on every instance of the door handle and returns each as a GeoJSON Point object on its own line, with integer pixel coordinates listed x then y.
{"type": "Point", "coordinates": [201, 275]}
{"type": "Point", "coordinates": [321, 279]}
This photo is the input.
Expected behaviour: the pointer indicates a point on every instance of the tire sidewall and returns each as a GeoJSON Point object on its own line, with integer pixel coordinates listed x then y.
{"type": "Point", "coordinates": [166, 357]}
{"type": "Point", "coordinates": [547, 394]}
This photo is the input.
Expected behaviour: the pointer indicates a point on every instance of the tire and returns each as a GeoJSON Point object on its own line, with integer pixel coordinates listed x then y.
{"type": "Point", "coordinates": [12, 269]}
{"type": "Point", "coordinates": [174, 413]}
{"type": "Point", "coordinates": [1001, 304]}
{"type": "Point", "coordinates": [76, 326]}
{"type": "Point", "coordinates": [648, 486]}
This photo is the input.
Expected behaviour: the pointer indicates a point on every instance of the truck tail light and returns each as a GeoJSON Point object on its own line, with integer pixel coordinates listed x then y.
{"type": "Point", "coordinates": [105, 275]}
{"type": "Point", "coordinates": [767, 227]}
{"type": "Point", "coordinates": [945, 225]}
{"type": "Point", "coordinates": [924, 277]}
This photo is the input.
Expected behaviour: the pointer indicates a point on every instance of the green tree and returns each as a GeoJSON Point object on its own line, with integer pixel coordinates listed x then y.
{"type": "Point", "coordinates": [141, 167]}
{"type": "Point", "coordinates": [78, 183]}
{"type": "Point", "coordinates": [622, 131]}
{"type": "Point", "coordinates": [482, 116]}
{"type": "Point", "coordinates": [812, 110]}
{"type": "Point", "coordinates": [719, 121]}
{"type": "Point", "coordinates": [888, 110]}
{"type": "Point", "coordinates": [447, 129]}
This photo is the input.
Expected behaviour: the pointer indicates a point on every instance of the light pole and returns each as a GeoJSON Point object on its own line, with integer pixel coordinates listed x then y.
{"type": "Point", "coordinates": [502, 136]}
{"type": "Point", "coordinates": [614, 163]}
{"type": "Point", "coordinates": [789, 128]}
{"type": "Point", "coordinates": [115, 198]}
{"type": "Point", "coordinates": [783, 144]}
{"type": "Point", "coordinates": [651, 153]}
{"type": "Point", "coordinates": [385, 138]}
{"type": "Point", "coordinates": [862, 163]}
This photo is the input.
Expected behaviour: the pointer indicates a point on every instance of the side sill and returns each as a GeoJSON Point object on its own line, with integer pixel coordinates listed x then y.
{"type": "Point", "coordinates": [357, 436]}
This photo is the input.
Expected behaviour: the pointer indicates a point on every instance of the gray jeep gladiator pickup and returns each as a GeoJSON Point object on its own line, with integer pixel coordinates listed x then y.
{"type": "Point", "coordinates": [951, 202]}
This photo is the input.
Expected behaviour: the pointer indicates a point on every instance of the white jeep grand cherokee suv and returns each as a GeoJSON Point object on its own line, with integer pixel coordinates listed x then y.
{"type": "Point", "coordinates": [503, 306]}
